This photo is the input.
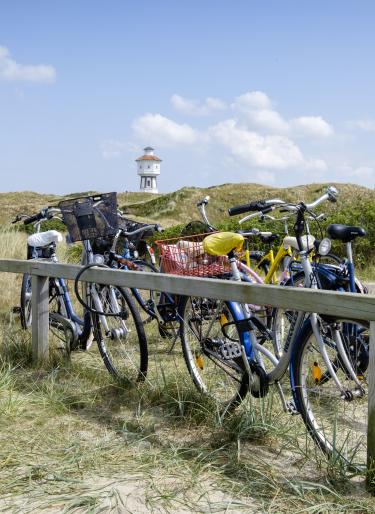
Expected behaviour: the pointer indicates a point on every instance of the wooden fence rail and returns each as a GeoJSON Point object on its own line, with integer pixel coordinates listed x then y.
{"type": "Point", "coordinates": [349, 305]}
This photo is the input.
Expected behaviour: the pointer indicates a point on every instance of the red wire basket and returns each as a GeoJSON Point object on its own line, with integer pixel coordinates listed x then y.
{"type": "Point", "coordinates": [186, 256]}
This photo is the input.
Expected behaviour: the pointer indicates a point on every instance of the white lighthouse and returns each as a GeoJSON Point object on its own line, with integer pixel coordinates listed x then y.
{"type": "Point", "coordinates": [148, 170]}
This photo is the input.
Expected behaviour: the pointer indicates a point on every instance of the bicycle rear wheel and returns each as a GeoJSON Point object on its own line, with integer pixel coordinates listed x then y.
{"type": "Point", "coordinates": [209, 337]}
{"type": "Point", "coordinates": [119, 333]}
{"type": "Point", "coordinates": [336, 422]}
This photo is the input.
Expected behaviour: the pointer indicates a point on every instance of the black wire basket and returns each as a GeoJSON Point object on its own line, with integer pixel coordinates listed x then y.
{"type": "Point", "coordinates": [90, 217]}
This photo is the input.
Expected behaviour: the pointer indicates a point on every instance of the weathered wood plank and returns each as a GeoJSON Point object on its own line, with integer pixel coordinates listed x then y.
{"type": "Point", "coordinates": [327, 302]}
{"type": "Point", "coordinates": [40, 317]}
{"type": "Point", "coordinates": [371, 412]}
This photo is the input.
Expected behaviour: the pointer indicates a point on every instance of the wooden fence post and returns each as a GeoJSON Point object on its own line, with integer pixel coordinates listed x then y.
{"type": "Point", "coordinates": [40, 317]}
{"type": "Point", "coordinates": [371, 411]}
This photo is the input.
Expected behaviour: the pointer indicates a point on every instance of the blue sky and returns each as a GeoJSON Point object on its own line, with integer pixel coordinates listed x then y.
{"type": "Point", "coordinates": [276, 92]}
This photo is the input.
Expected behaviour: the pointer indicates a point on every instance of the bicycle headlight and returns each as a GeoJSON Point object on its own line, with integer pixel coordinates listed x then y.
{"type": "Point", "coordinates": [98, 259]}
{"type": "Point", "coordinates": [324, 246]}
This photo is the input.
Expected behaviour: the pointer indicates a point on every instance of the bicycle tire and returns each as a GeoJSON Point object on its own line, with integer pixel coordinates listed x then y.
{"type": "Point", "coordinates": [25, 302]}
{"type": "Point", "coordinates": [122, 344]}
{"type": "Point", "coordinates": [338, 426]}
{"type": "Point", "coordinates": [211, 374]}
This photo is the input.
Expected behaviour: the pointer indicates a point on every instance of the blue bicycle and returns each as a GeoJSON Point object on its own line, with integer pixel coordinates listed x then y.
{"type": "Point", "coordinates": [109, 316]}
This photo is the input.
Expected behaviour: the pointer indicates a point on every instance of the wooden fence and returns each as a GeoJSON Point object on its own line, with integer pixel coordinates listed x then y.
{"type": "Point", "coordinates": [350, 305]}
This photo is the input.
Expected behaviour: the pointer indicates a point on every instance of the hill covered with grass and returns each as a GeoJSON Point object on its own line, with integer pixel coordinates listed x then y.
{"type": "Point", "coordinates": [355, 205]}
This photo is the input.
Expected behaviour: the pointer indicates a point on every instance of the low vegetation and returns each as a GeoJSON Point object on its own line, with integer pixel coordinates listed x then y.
{"type": "Point", "coordinates": [74, 440]}
{"type": "Point", "coordinates": [355, 206]}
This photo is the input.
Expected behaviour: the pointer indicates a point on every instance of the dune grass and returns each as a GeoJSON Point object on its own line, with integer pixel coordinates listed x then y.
{"type": "Point", "coordinates": [74, 440]}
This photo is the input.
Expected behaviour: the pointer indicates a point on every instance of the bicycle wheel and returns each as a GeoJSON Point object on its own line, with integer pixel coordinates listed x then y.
{"type": "Point", "coordinates": [62, 332]}
{"type": "Point", "coordinates": [25, 302]}
{"type": "Point", "coordinates": [211, 347]}
{"type": "Point", "coordinates": [119, 333]}
{"type": "Point", "coordinates": [336, 422]}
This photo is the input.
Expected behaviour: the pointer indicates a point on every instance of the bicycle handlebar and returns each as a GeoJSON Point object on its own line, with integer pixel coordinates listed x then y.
{"type": "Point", "coordinates": [260, 205]}
{"type": "Point", "coordinates": [154, 228]}
{"type": "Point", "coordinates": [45, 214]}
{"type": "Point", "coordinates": [265, 206]}
{"type": "Point", "coordinates": [32, 219]}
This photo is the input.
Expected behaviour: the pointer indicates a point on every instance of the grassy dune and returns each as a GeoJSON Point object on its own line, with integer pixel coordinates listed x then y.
{"type": "Point", "coordinates": [355, 206]}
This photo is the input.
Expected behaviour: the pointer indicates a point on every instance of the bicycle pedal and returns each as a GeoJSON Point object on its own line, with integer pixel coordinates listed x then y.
{"type": "Point", "coordinates": [16, 309]}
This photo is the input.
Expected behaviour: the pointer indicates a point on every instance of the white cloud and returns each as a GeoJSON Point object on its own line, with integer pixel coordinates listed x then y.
{"type": "Point", "coordinates": [257, 139]}
{"type": "Point", "coordinates": [194, 108]}
{"type": "Point", "coordinates": [10, 70]}
{"type": "Point", "coordinates": [252, 100]}
{"type": "Point", "coordinates": [256, 150]}
{"type": "Point", "coordinates": [269, 120]}
{"type": "Point", "coordinates": [256, 110]}
{"type": "Point", "coordinates": [311, 126]}
{"type": "Point", "coordinates": [366, 125]}
{"type": "Point", "coordinates": [157, 129]}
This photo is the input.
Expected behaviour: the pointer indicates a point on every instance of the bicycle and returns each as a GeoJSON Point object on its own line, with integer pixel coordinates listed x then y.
{"type": "Point", "coordinates": [109, 312]}
{"type": "Point", "coordinates": [226, 360]}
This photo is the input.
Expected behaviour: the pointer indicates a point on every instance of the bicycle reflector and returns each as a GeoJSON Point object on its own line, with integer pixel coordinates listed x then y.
{"type": "Point", "coordinates": [324, 246]}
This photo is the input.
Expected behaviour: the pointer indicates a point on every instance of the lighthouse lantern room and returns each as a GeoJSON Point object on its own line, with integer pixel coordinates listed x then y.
{"type": "Point", "coordinates": [148, 170]}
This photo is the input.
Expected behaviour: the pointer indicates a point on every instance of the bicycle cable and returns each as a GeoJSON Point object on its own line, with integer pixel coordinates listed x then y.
{"type": "Point", "coordinates": [121, 314]}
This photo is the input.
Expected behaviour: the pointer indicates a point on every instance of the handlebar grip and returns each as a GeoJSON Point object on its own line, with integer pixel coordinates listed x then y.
{"type": "Point", "coordinates": [248, 207]}
{"type": "Point", "coordinates": [32, 219]}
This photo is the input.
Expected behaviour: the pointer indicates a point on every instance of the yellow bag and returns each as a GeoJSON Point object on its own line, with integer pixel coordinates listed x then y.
{"type": "Point", "coordinates": [221, 243]}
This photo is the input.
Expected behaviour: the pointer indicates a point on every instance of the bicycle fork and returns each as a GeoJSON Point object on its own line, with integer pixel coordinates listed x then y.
{"type": "Point", "coordinates": [114, 333]}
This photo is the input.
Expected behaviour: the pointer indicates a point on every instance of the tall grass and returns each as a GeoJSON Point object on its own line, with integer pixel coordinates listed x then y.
{"type": "Point", "coordinates": [12, 245]}
{"type": "Point", "coordinates": [74, 440]}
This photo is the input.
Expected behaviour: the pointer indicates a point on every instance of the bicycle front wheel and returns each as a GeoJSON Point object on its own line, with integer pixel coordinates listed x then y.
{"type": "Point", "coordinates": [211, 347]}
{"type": "Point", "coordinates": [119, 333]}
{"type": "Point", "coordinates": [25, 302]}
{"type": "Point", "coordinates": [337, 422]}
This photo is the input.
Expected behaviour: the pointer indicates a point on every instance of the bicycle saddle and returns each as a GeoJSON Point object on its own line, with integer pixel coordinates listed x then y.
{"type": "Point", "coordinates": [40, 239]}
{"type": "Point", "coordinates": [307, 242]}
{"type": "Point", "coordinates": [345, 233]}
{"type": "Point", "coordinates": [222, 243]}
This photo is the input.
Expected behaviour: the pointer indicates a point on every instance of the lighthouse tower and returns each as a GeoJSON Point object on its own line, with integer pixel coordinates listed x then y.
{"type": "Point", "coordinates": [148, 170]}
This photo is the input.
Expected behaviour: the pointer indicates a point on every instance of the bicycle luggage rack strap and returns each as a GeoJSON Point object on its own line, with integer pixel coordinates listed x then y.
{"type": "Point", "coordinates": [91, 216]}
